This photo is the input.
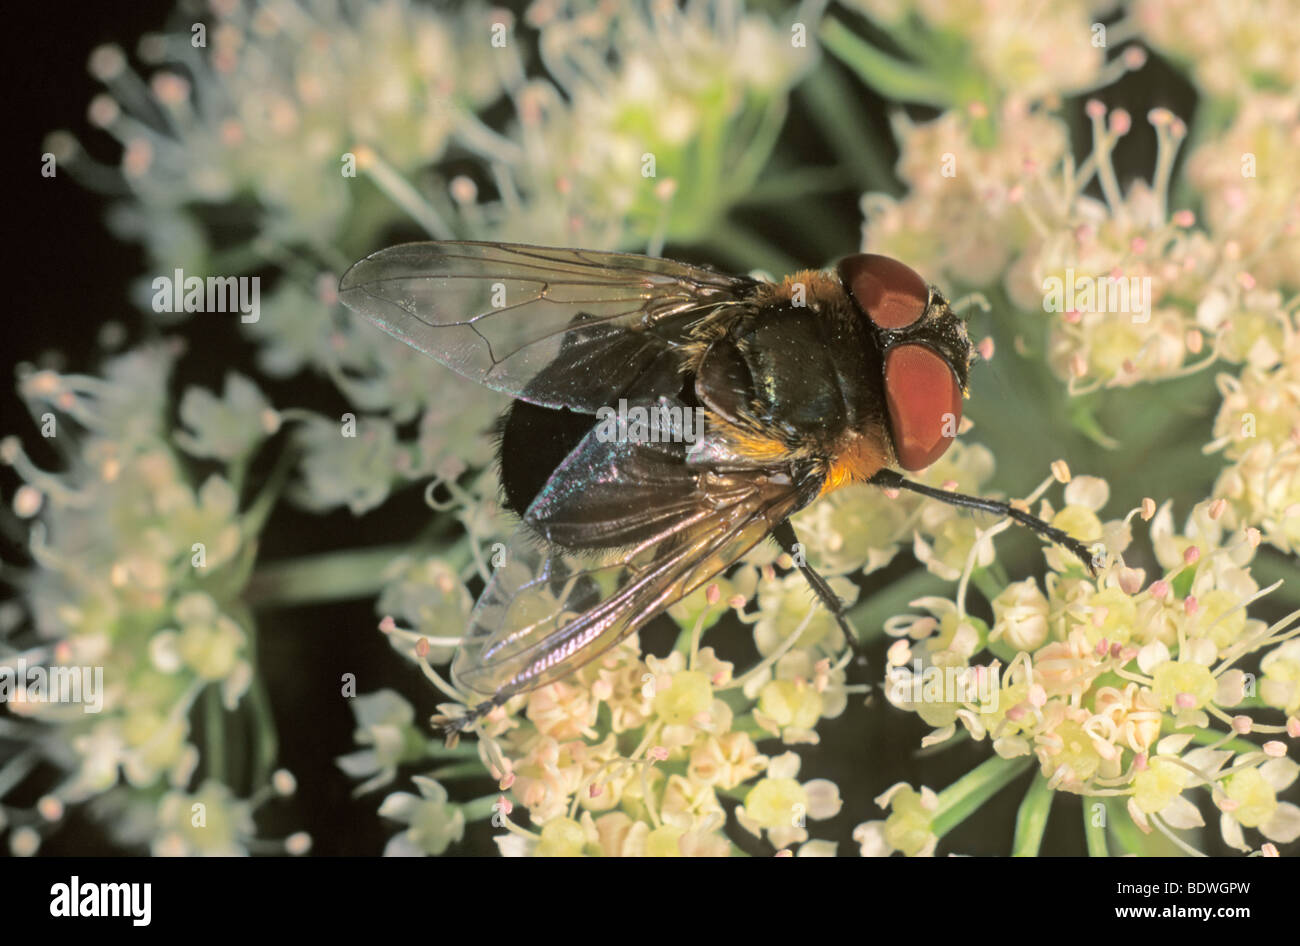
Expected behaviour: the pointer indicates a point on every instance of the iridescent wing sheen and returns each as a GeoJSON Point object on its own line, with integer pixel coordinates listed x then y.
{"type": "Point", "coordinates": [557, 327]}
{"type": "Point", "coordinates": [667, 527]}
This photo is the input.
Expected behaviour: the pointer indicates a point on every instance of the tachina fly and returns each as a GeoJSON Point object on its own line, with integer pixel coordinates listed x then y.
{"type": "Point", "coordinates": [825, 379]}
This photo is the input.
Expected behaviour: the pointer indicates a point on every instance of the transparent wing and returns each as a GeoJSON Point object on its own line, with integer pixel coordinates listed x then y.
{"type": "Point", "coordinates": [547, 612]}
{"type": "Point", "coordinates": [503, 314]}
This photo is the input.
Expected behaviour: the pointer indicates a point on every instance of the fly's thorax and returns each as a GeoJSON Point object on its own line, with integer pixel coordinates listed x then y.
{"type": "Point", "coordinates": [796, 375]}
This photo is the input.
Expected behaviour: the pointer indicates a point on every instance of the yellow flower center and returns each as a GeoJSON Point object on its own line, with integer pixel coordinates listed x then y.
{"type": "Point", "coordinates": [1158, 785]}
{"type": "Point", "coordinates": [561, 837]}
{"type": "Point", "coordinates": [1174, 679]}
{"type": "Point", "coordinates": [1255, 798]}
{"type": "Point", "coordinates": [791, 704]}
{"type": "Point", "coordinates": [689, 695]}
{"type": "Point", "coordinates": [908, 827]}
{"type": "Point", "coordinates": [776, 802]}
{"type": "Point", "coordinates": [663, 842]}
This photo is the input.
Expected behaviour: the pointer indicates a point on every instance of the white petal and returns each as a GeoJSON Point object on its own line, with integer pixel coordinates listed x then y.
{"type": "Point", "coordinates": [1279, 773]}
{"type": "Point", "coordinates": [1231, 689]}
{"type": "Point", "coordinates": [882, 800]}
{"type": "Point", "coordinates": [1181, 813]}
{"type": "Point", "coordinates": [399, 845]}
{"type": "Point", "coordinates": [1284, 826]}
{"type": "Point", "coordinates": [382, 706]}
{"type": "Point", "coordinates": [818, 849]}
{"type": "Point", "coordinates": [431, 789]}
{"type": "Point", "coordinates": [785, 765]}
{"type": "Point", "coordinates": [823, 799]}
{"type": "Point", "coordinates": [399, 806]}
{"type": "Point", "coordinates": [1173, 745]}
{"type": "Point", "coordinates": [939, 735]}
{"type": "Point", "coordinates": [1231, 832]}
{"type": "Point", "coordinates": [1200, 650]}
{"type": "Point", "coordinates": [1207, 760]}
{"type": "Point", "coordinates": [1011, 747]}
{"type": "Point", "coordinates": [236, 685]}
{"type": "Point", "coordinates": [1091, 492]}
{"type": "Point", "coordinates": [752, 825]}
{"type": "Point", "coordinates": [1152, 656]}
{"type": "Point", "coordinates": [512, 845]}
{"type": "Point", "coordinates": [164, 652]}
{"type": "Point", "coordinates": [1138, 815]}
{"type": "Point", "coordinates": [791, 736]}
{"type": "Point", "coordinates": [786, 835]}
{"type": "Point", "coordinates": [870, 836]}
{"type": "Point", "coordinates": [359, 763]}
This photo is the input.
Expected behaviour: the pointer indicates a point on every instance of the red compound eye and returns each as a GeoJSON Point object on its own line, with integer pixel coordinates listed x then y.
{"type": "Point", "coordinates": [892, 295]}
{"type": "Point", "coordinates": [924, 401]}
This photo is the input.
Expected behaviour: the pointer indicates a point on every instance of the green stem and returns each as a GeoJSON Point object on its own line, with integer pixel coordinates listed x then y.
{"type": "Point", "coordinates": [1031, 819]}
{"type": "Point", "coordinates": [471, 769]}
{"type": "Point", "coordinates": [967, 795]}
{"type": "Point", "coordinates": [331, 576]}
{"type": "Point", "coordinates": [1130, 838]}
{"type": "Point", "coordinates": [759, 148]}
{"type": "Point", "coordinates": [858, 150]}
{"type": "Point", "coordinates": [1094, 834]}
{"type": "Point", "coordinates": [890, 77]}
{"type": "Point", "coordinates": [794, 187]}
{"type": "Point", "coordinates": [260, 508]}
{"type": "Point", "coordinates": [264, 735]}
{"type": "Point", "coordinates": [215, 733]}
{"type": "Point", "coordinates": [480, 808]}
{"type": "Point", "coordinates": [464, 750]}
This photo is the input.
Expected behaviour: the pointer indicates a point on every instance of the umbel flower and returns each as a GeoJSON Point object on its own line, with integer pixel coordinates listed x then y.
{"type": "Point", "coordinates": [244, 104]}
{"type": "Point", "coordinates": [1122, 688]}
{"type": "Point", "coordinates": [980, 50]}
{"type": "Point", "coordinates": [1124, 291]}
{"type": "Point", "coordinates": [1243, 49]}
{"type": "Point", "coordinates": [1153, 691]}
{"type": "Point", "coordinates": [137, 570]}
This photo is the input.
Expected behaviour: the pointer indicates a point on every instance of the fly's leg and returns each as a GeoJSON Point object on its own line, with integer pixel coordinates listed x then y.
{"type": "Point", "coordinates": [785, 537]}
{"type": "Point", "coordinates": [452, 726]}
{"type": "Point", "coordinates": [888, 479]}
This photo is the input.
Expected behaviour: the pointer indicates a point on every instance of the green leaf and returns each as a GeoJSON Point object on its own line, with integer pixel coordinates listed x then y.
{"type": "Point", "coordinates": [892, 78]}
